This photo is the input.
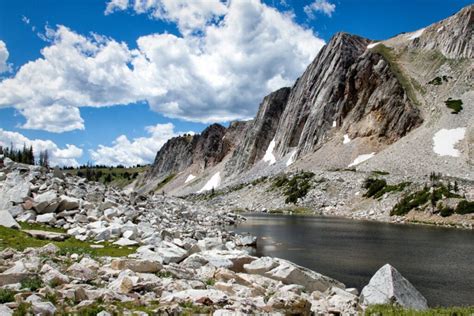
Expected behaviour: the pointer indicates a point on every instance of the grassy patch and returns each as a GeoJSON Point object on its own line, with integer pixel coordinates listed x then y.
{"type": "Point", "coordinates": [37, 226]}
{"type": "Point", "coordinates": [6, 296]}
{"type": "Point", "coordinates": [389, 56]}
{"type": "Point", "coordinates": [19, 240]}
{"type": "Point", "coordinates": [389, 310]}
{"type": "Point", "coordinates": [376, 188]}
{"type": "Point", "coordinates": [33, 283]}
{"type": "Point", "coordinates": [454, 105]}
{"type": "Point", "coordinates": [295, 187]}
{"type": "Point", "coordinates": [164, 182]}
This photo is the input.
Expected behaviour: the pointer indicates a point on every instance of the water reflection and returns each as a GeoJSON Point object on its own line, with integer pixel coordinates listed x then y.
{"type": "Point", "coordinates": [438, 261]}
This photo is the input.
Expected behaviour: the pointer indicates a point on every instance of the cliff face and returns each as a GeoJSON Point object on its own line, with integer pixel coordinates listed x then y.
{"type": "Point", "coordinates": [260, 132]}
{"type": "Point", "coordinates": [203, 150]}
{"type": "Point", "coordinates": [346, 86]}
{"type": "Point", "coordinates": [453, 37]}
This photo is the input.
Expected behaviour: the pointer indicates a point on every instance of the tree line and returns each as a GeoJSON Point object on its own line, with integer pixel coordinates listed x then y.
{"type": "Point", "coordinates": [25, 155]}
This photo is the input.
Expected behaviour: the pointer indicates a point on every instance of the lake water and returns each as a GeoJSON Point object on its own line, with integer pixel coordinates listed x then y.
{"type": "Point", "coordinates": [439, 262]}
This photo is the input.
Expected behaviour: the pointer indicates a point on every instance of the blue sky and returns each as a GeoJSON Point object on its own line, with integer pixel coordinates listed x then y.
{"type": "Point", "coordinates": [215, 64]}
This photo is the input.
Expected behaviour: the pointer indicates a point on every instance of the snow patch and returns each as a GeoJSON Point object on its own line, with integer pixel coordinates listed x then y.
{"type": "Point", "coordinates": [361, 158]}
{"type": "Point", "coordinates": [213, 183]}
{"type": "Point", "coordinates": [346, 140]}
{"type": "Point", "coordinates": [416, 34]}
{"type": "Point", "coordinates": [269, 157]}
{"type": "Point", "coordinates": [445, 140]}
{"type": "Point", "coordinates": [292, 158]}
{"type": "Point", "coordinates": [440, 29]}
{"type": "Point", "coordinates": [334, 124]}
{"type": "Point", "coordinates": [190, 178]}
{"type": "Point", "coordinates": [372, 45]}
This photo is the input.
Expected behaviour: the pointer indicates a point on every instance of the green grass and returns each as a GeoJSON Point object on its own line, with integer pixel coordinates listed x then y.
{"type": "Point", "coordinates": [389, 56]}
{"type": "Point", "coordinates": [19, 240]}
{"type": "Point", "coordinates": [389, 310]}
{"type": "Point", "coordinates": [6, 296]}
{"type": "Point", "coordinates": [37, 226]}
{"type": "Point", "coordinates": [454, 105]}
{"type": "Point", "coordinates": [32, 283]}
{"type": "Point", "coordinates": [164, 182]}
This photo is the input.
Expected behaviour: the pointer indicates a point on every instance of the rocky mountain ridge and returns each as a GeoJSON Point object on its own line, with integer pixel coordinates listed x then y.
{"type": "Point", "coordinates": [359, 103]}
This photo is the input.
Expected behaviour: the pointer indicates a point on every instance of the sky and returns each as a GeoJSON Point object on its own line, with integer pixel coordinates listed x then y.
{"type": "Point", "coordinates": [109, 81]}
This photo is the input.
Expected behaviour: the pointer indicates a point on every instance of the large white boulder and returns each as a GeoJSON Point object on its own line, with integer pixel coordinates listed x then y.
{"type": "Point", "coordinates": [290, 273]}
{"type": "Point", "coordinates": [46, 202]}
{"type": "Point", "coordinates": [7, 220]}
{"type": "Point", "coordinates": [388, 286]}
{"type": "Point", "coordinates": [231, 259]}
{"type": "Point", "coordinates": [141, 266]}
{"type": "Point", "coordinates": [68, 203]}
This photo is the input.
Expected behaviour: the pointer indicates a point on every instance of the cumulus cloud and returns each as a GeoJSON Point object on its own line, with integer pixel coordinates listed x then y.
{"type": "Point", "coordinates": [322, 6]}
{"type": "Point", "coordinates": [58, 156]}
{"type": "Point", "coordinates": [228, 56]}
{"type": "Point", "coordinates": [141, 150]}
{"type": "Point", "coordinates": [4, 66]}
{"type": "Point", "coordinates": [188, 15]}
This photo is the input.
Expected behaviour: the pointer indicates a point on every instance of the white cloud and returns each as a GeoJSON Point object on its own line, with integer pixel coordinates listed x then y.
{"type": "Point", "coordinates": [4, 66]}
{"type": "Point", "coordinates": [141, 150]}
{"type": "Point", "coordinates": [323, 6]}
{"type": "Point", "coordinates": [58, 156]}
{"type": "Point", "coordinates": [188, 15]}
{"type": "Point", "coordinates": [228, 57]}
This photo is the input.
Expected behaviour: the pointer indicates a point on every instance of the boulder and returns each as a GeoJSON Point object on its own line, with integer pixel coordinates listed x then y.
{"type": "Point", "coordinates": [124, 283]}
{"type": "Point", "coordinates": [388, 286]}
{"type": "Point", "coordinates": [171, 253]}
{"type": "Point", "coordinates": [53, 277]}
{"type": "Point", "coordinates": [46, 218]}
{"type": "Point", "coordinates": [290, 273]}
{"type": "Point", "coordinates": [80, 271]}
{"type": "Point", "coordinates": [231, 259]}
{"type": "Point", "coordinates": [46, 202]}
{"type": "Point", "coordinates": [7, 220]}
{"type": "Point", "coordinates": [68, 203]}
{"type": "Point", "coordinates": [261, 265]}
{"type": "Point", "coordinates": [141, 266]}
{"type": "Point", "coordinates": [5, 310]}
{"type": "Point", "coordinates": [125, 242]}
{"type": "Point", "coordinates": [46, 235]}
{"type": "Point", "coordinates": [290, 303]}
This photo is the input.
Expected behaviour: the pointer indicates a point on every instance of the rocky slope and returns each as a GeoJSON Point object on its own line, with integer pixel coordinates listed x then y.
{"type": "Point", "coordinates": [179, 257]}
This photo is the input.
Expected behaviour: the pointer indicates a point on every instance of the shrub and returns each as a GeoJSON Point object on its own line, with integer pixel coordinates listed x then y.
{"type": "Point", "coordinates": [6, 296]}
{"type": "Point", "coordinates": [376, 188]}
{"type": "Point", "coordinates": [465, 207]}
{"type": "Point", "coordinates": [411, 201]}
{"type": "Point", "coordinates": [445, 211]}
{"type": "Point", "coordinates": [455, 105]}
